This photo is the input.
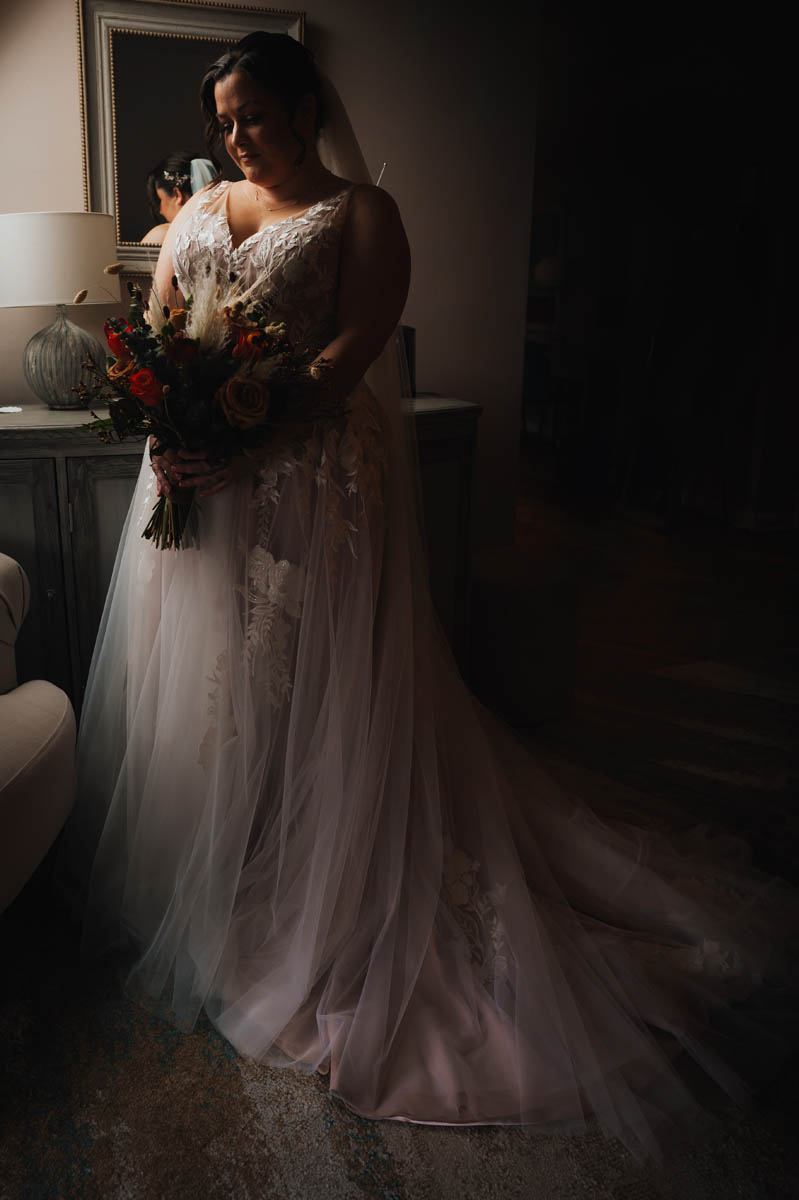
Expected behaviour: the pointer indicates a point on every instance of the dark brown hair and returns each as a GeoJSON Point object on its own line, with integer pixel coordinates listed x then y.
{"type": "Point", "coordinates": [278, 64]}
{"type": "Point", "coordinates": [174, 171]}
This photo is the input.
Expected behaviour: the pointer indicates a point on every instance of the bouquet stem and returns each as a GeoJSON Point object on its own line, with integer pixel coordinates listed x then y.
{"type": "Point", "coordinates": [173, 524]}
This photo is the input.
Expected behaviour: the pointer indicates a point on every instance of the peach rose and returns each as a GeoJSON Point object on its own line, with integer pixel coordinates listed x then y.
{"type": "Point", "coordinates": [245, 402]}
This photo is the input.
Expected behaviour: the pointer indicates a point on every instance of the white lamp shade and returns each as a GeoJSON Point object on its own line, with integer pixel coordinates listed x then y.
{"type": "Point", "coordinates": [48, 257]}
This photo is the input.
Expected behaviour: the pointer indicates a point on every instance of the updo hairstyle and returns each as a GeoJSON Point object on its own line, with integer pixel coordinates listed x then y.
{"type": "Point", "coordinates": [278, 64]}
{"type": "Point", "coordinates": [174, 171]}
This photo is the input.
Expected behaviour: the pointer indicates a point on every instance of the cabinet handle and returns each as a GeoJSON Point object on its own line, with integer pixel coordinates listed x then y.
{"type": "Point", "coordinates": [69, 516]}
{"type": "Point", "coordinates": [50, 593]}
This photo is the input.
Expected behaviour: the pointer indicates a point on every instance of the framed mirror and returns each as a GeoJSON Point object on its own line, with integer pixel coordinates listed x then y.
{"type": "Point", "coordinates": [141, 63]}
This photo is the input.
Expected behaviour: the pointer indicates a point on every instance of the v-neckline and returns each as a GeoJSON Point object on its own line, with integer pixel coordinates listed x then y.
{"type": "Point", "coordinates": [273, 224]}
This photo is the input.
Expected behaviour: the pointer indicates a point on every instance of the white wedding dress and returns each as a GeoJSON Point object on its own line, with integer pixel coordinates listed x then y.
{"type": "Point", "coordinates": [304, 824]}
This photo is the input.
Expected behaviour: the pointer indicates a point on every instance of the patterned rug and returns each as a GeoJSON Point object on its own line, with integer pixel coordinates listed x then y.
{"type": "Point", "coordinates": [101, 1100]}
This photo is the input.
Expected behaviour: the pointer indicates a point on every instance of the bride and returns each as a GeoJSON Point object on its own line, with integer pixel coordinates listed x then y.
{"type": "Point", "coordinates": [292, 809]}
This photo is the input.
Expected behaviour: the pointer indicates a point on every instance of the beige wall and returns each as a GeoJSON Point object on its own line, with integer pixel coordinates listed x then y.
{"type": "Point", "coordinates": [40, 136]}
{"type": "Point", "coordinates": [443, 97]}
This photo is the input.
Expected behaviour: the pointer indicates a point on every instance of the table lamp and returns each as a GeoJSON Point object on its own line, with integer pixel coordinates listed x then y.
{"type": "Point", "coordinates": [47, 258]}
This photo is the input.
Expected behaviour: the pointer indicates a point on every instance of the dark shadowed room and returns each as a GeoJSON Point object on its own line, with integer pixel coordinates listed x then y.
{"type": "Point", "coordinates": [399, 601]}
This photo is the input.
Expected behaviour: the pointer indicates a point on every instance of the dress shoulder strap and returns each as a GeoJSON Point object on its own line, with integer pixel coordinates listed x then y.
{"type": "Point", "coordinates": [213, 193]}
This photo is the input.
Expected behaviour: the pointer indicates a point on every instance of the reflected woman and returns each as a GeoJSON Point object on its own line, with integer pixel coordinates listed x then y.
{"type": "Point", "coordinates": [170, 184]}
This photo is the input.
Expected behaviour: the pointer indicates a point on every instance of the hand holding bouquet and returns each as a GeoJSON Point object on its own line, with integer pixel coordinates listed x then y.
{"type": "Point", "coordinates": [212, 380]}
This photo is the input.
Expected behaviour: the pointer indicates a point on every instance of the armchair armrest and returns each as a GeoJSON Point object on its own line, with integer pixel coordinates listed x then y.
{"type": "Point", "coordinates": [14, 602]}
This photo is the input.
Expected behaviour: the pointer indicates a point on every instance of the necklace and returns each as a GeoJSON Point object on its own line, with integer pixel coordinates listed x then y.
{"type": "Point", "coordinates": [277, 207]}
{"type": "Point", "coordinates": [274, 207]}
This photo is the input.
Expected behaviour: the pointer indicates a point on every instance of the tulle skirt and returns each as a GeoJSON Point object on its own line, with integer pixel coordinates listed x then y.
{"type": "Point", "coordinates": [306, 826]}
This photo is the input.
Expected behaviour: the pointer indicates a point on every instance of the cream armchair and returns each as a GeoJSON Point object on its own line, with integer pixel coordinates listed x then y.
{"type": "Point", "coordinates": [37, 749]}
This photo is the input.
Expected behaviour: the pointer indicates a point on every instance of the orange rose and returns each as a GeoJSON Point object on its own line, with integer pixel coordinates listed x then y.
{"type": "Point", "coordinates": [178, 318]}
{"type": "Point", "coordinates": [120, 369]}
{"type": "Point", "coordinates": [251, 345]}
{"type": "Point", "coordinates": [245, 402]}
{"type": "Point", "coordinates": [146, 387]}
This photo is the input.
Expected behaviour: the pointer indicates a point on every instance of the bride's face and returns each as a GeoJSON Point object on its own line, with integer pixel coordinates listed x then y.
{"type": "Point", "coordinates": [256, 130]}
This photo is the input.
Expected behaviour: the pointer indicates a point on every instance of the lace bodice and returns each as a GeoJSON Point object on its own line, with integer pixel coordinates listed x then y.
{"type": "Point", "coordinates": [296, 257]}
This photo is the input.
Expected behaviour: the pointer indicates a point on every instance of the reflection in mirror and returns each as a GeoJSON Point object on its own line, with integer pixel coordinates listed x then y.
{"type": "Point", "coordinates": [142, 62]}
{"type": "Point", "coordinates": [156, 120]}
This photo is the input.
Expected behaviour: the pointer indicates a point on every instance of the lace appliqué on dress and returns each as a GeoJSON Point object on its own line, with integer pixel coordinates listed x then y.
{"type": "Point", "coordinates": [346, 467]}
{"type": "Point", "coordinates": [201, 238]}
{"type": "Point", "coordinates": [274, 598]}
{"type": "Point", "coordinates": [477, 912]}
{"type": "Point", "coordinates": [274, 595]}
{"type": "Point", "coordinates": [354, 465]}
{"type": "Point", "coordinates": [293, 262]}
{"type": "Point", "coordinates": [220, 710]}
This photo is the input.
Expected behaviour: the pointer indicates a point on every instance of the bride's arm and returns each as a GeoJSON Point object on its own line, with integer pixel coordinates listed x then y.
{"type": "Point", "coordinates": [373, 286]}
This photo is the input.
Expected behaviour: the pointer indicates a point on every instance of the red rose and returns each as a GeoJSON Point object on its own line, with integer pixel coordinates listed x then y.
{"type": "Point", "coordinates": [118, 347]}
{"type": "Point", "coordinates": [180, 349]}
{"type": "Point", "coordinates": [251, 344]}
{"type": "Point", "coordinates": [116, 340]}
{"type": "Point", "coordinates": [146, 387]}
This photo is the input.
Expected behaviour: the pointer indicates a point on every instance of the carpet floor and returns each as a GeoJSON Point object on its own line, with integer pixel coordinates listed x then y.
{"type": "Point", "coordinates": [673, 718]}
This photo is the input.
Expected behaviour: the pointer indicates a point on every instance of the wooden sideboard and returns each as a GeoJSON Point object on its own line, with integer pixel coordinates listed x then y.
{"type": "Point", "coordinates": [64, 496]}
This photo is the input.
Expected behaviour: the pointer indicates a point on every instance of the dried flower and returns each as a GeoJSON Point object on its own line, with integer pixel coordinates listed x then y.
{"type": "Point", "coordinates": [81, 296]}
{"type": "Point", "coordinates": [235, 318]}
{"type": "Point", "coordinates": [320, 369]}
{"type": "Point", "coordinates": [114, 268]}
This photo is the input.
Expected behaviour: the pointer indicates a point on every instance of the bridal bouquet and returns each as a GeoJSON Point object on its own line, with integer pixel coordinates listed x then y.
{"type": "Point", "coordinates": [214, 375]}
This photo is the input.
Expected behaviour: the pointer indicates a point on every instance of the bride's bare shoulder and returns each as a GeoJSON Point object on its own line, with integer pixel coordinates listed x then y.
{"type": "Point", "coordinates": [367, 197]}
{"type": "Point", "coordinates": [373, 212]}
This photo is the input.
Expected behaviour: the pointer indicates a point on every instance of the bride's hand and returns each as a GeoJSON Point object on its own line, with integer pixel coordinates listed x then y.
{"type": "Point", "coordinates": [164, 469]}
{"type": "Point", "coordinates": [193, 469]}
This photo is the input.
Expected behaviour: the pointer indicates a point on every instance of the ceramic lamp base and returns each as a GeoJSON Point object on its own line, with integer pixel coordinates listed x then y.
{"type": "Point", "coordinates": [54, 361]}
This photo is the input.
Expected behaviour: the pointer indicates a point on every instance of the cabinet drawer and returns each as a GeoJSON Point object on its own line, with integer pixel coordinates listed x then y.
{"type": "Point", "coordinates": [99, 491]}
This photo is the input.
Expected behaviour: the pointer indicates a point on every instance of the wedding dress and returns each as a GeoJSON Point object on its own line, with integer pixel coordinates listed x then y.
{"type": "Point", "coordinates": [306, 826]}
